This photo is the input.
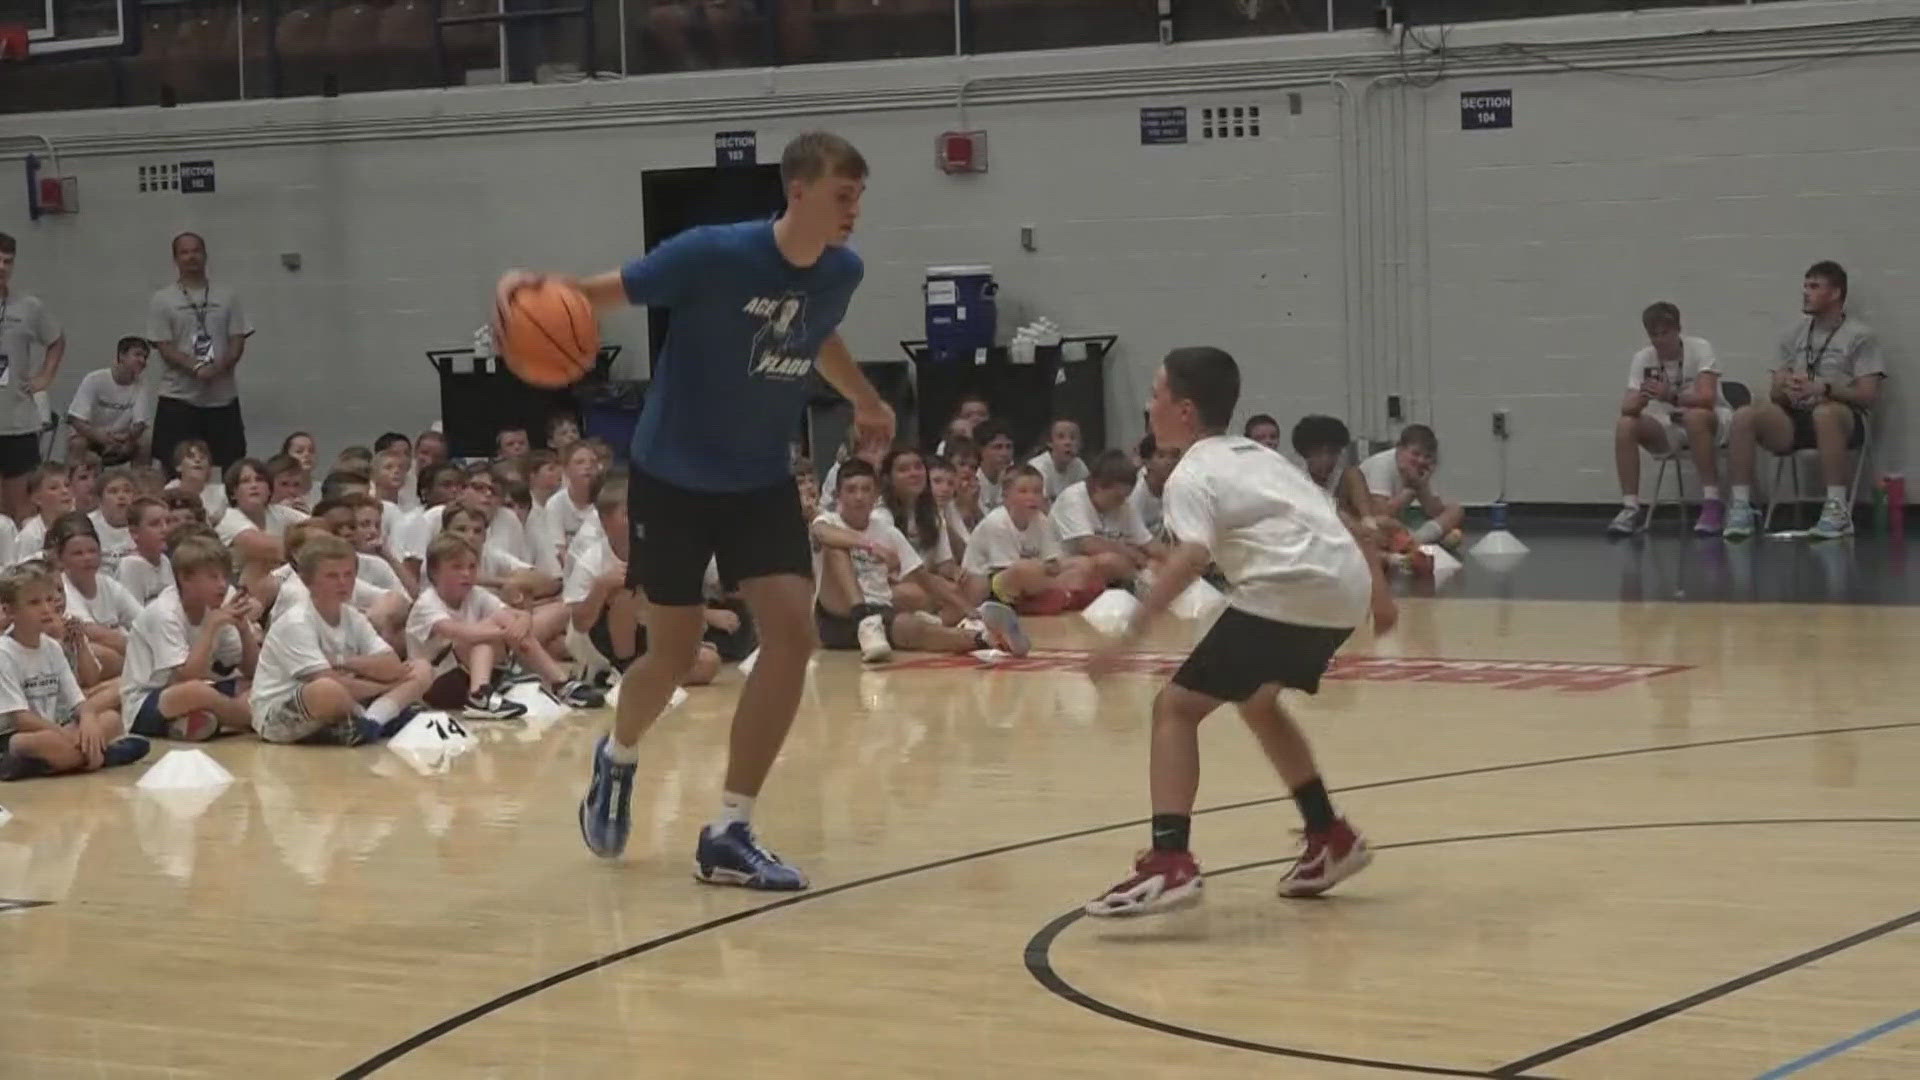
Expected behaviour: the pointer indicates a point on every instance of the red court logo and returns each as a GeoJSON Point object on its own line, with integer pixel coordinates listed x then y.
{"type": "Point", "coordinates": [1497, 674]}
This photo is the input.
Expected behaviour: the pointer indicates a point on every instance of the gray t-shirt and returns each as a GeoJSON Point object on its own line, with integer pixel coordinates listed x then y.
{"type": "Point", "coordinates": [200, 323]}
{"type": "Point", "coordinates": [26, 329]}
{"type": "Point", "coordinates": [1839, 355]}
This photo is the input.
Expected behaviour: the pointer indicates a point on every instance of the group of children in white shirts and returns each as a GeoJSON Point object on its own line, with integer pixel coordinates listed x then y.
{"type": "Point", "coordinates": [136, 608]}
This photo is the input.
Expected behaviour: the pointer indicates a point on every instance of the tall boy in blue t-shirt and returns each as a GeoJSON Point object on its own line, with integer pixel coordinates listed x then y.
{"type": "Point", "coordinates": [755, 307]}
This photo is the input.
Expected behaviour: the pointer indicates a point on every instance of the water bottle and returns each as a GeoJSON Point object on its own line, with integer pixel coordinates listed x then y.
{"type": "Point", "coordinates": [1497, 512]}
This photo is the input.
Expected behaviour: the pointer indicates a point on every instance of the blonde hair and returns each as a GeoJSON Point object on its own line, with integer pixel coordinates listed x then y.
{"type": "Point", "coordinates": [194, 550]}
{"type": "Point", "coordinates": [20, 580]}
{"type": "Point", "coordinates": [323, 547]}
{"type": "Point", "coordinates": [446, 547]}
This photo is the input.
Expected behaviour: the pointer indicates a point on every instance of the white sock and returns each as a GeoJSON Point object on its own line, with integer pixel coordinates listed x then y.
{"type": "Point", "coordinates": [388, 705]}
{"type": "Point", "coordinates": [733, 807]}
{"type": "Point", "coordinates": [1710, 492]}
{"type": "Point", "coordinates": [1742, 494]}
{"type": "Point", "coordinates": [1837, 493]}
{"type": "Point", "coordinates": [622, 754]}
{"type": "Point", "coordinates": [1631, 502]}
{"type": "Point", "coordinates": [1427, 533]}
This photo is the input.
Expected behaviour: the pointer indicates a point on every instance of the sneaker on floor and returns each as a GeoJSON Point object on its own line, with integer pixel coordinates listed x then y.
{"type": "Point", "coordinates": [401, 719]}
{"type": "Point", "coordinates": [1741, 521]}
{"type": "Point", "coordinates": [360, 730]}
{"type": "Point", "coordinates": [196, 726]}
{"type": "Point", "coordinates": [124, 750]}
{"type": "Point", "coordinates": [1625, 523]}
{"type": "Point", "coordinates": [873, 639]}
{"type": "Point", "coordinates": [602, 680]}
{"type": "Point", "coordinates": [1712, 519]}
{"type": "Point", "coordinates": [514, 674]}
{"type": "Point", "coordinates": [18, 767]}
{"type": "Point", "coordinates": [606, 810]}
{"type": "Point", "coordinates": [492, 705]}
{"type": "Point", "coordinates": [1328, 859]}
{"type": "Point", "coordinates": [1161, 881]}
{"type": "Point", "coordinates": [1836, 521]}
{"type": "Point", "coordinates": [1003, 630]}
{"type": "Point", "coordinates": [580, 695]}
{"type": "Point", "coordinates": [733, 856]}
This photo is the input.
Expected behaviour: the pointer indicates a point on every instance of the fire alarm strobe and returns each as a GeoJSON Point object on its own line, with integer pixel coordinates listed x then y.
{"type": "Point", "coordinates": [962, 151]}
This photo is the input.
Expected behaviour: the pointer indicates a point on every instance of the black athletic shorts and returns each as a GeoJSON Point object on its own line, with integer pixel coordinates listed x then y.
{"type": "Point", "coordinates": [19, 455]}
{"type": "Point", "coordinates": [1803, 433]}
{"type": "Point", "coordinates": [1244, 652]}
{"type": "Point", "coordinates": [840, 633]}
{"type": "Point", "coordinates": [751, 534]}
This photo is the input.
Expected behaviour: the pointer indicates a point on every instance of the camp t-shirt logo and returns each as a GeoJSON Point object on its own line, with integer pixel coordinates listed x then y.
{"type": "Point", "coordinates": [42, 691]}
{"type": "Point", "coordinates": [779, 347]}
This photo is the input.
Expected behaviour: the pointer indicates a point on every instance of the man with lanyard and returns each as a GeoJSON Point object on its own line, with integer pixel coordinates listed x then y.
{"type": "Point", "coordinates": [755, 311]}
{"type": "Point", "coordinates": [1829, 376]}
{"type": "Point", "coordinates": [24, 324]}
{"type": "Point", "coordinates": [201, 332]}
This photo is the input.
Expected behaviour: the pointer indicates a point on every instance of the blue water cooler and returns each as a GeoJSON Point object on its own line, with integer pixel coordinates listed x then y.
{"type": "Point", "coordinates": [960, 310]}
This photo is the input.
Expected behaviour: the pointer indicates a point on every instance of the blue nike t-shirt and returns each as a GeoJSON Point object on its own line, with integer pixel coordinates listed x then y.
{"type": "Point", "coordinates": [732, 380]}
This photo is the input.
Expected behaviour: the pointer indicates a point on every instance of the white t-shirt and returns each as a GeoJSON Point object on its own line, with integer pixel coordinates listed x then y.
{"type": "Point", "coordinates": [938, 553]}
{"type": "Point", "coordinates": [294, 591]}
{"type": "Point", "coordinates": [564, 520]}
{"type": "Point", "coordinates": [143, 579]}
{"type": "Point", "coordinates": [112, 606]}
{"type": "Point", "coordinates": [108, 406]}
{"type": "Point", "coordinates": [499, 564]}
{"type": "Point", "coordinates": [278, 517]}
{"type": "Point", "coordinates": [417, 531]}
{"type": "Point", "coordinates": [430, 611]}
{"type": "Point", "coordinates": [543, 546]}
{"type": "Point", "coordinates": [26, 328]}
{"type": "Point", "coordinates": [200, 323]}
{"type": "Point", "coordinates": [1696, 356]}
{"type": "Point", "coordinates": [997, 543]}
{"type": "Point", "coordinates": [1059, 480]}
{"type": "Point", "coordinates": [375, 571]}
{"type": "Point", "coordinates": [876, 581]}
{"type": "Point", "coordinates": [953, 525]}
{"type": "Point", "coordinates": [391, 517]}
{"type": "Point", "coordinates": [586, 560]}
{"type": "Point", "coordinates": [1272, 532]}
{"type": "Point", "coordinates": [8, 535]}
{"type": "Point", "coordinates": [1382, 474]}
{"type": "Point", "coordinates": [1145, 503]}
{"type": "Point", "coordinates": [159, 642]}
{"type": "Point", "coordinates": [991, 495]}
{"type": "Point", "coordinates": [32, 541]}
{"type": "Point", "coordinates": [116, 541]}
{"type": "Point", "coordinates": [1075, 516]}
{"type": "Point", "coordinates": [507, 533]}
{"type": "Point", "coordinates": [213, 498]}
{"type": "Point", "coordinates": [37, 680]}
{"type": "Point", "coordinates": [301, 643]}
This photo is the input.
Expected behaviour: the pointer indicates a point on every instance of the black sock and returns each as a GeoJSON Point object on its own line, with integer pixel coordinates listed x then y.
{"type": "Point", "coordinates": [1170, 831]}
{"type": "Point", "coordinates": [1315, 807]}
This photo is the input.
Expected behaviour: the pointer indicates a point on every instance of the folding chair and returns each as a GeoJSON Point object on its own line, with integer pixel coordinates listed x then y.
{"type": "Point", "coordinates": [1739, 397]}
{"type": "Point", "coordinates": [1789, 464]}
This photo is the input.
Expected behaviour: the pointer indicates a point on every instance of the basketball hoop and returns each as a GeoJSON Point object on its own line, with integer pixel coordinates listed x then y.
{"type": "Point", "coordinates": [13, 43]}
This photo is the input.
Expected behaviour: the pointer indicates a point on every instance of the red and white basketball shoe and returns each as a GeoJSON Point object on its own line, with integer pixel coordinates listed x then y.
{"type": "Point", "coordinates": [1161, 881]}
{"type": "Point", "coordinates": [1328, 859]}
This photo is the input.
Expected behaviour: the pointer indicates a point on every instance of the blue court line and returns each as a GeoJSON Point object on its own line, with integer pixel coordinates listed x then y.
{"type": "Point", "coordinates": [1841, 1047]}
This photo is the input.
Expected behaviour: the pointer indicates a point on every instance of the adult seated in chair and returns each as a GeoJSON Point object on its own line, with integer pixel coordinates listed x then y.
{"type": "Point", "coordinates": [1827, 380]}
{"type": "Point", "coordinates": [1673, 403]}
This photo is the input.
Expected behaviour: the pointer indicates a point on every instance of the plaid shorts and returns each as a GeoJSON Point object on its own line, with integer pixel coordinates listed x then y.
{"type": "Point", "coordinates": [289, 722]}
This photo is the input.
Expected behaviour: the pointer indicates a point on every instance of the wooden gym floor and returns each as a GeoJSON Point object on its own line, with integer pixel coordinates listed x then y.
{"type": "Point", "coordinates": [1679, 842]}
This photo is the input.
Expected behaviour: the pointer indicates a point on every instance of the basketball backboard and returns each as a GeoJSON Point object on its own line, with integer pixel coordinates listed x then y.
{"type": "Point", "coordinates": [71, 26]}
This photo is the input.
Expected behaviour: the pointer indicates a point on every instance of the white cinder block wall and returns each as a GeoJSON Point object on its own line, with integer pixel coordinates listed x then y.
{"type": "Point", "coordinates": [1365, 246]}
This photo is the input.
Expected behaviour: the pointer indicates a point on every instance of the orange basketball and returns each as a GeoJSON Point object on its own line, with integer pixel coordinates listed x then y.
{"type": "Point", "coordinates": [551, 335]}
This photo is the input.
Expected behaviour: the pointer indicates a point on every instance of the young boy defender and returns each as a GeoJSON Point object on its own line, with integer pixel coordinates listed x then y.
{"type": "Point", "coordinates": [1298, 585]}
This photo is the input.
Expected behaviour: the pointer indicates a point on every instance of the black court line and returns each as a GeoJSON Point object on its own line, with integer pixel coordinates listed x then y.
{"type": "Point", "coordinates": [1039, 964]}
{"type": "Point", "coordinates": [1573, 1046]}
{"type": "Point", "coordinates": [453, 1023]}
